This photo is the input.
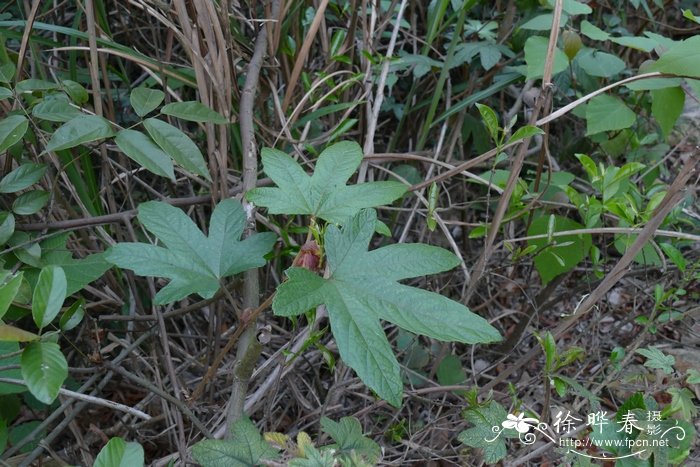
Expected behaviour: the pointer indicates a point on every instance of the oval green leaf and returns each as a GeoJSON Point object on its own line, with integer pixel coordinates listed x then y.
{"type": "Point", "coordinates": [22, 177]}
{"type": "Point", "coordinates": [140, 148]}
{"type": "Point", "coordinates": [80, 130]}
{"type": "Point", "coordinates": [12, 129]}
{"type": "Point", "coordinates": [7, 72]}
{"type": "Point", "coordinates": [44, 369]}
{"type": "Point", "coordinates": [145, 100]}
{"type": "Point", "coordinates": [119, 453]}
{"type": "Point", "coordinates": [30, 202]}
{"type": "Point", "coordinates": [55, 110]}
{"type": "Point", "coordinates": [7, 226]}
{"type": "Point", "coordinates": [5, 93]}
{"type": "Point", "coordinates": [76, 91]}
{"type": "Point", "coordinates": [49, 294]}
{"type": "Point", "coordinates": [608, 113]}
{"type": "Point", "coordinates": [178, 146]}
{"type": "Point", "coordinates": [8, 291]}
{"type": "Point", "coordinates": [31, 85]}
{"type": "Point", "coordinates": [72, 316]}
{"type": "Point", "coordinates": [193, 111]}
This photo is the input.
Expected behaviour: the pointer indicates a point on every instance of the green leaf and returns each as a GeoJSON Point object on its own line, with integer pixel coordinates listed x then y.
{"type": "Point", "coordinates": [675, 255]}
{"type": "Point", "coordinates": [9, 286]}
{"type": "Point", "coordinates": [22, 177]}
{"type": "Point", "coordinates": [14, 373]}
{"type": "Point", "coordinates": [682, 401]}
{"type": "Point", "coordinates": [542, 22]}
{"type": "Point", "coordinates": [574, 252]}
{"type": "Point", "coordinates": [600, 64]}
{"type": "Point", "coordinates": [490, 119]}
{"type": "Point", "coordinates": [14, 334]}
{"type": "Point", "coordinates": [349, 440]}
{"type": "Point", "coordinates": [593, 32]}
{"type": "Point", "coordinates": [608, 113]}
{"type": "Point", "coordinates": [30, 202]}
{"type": "Point", "coordinates": [145, 100]}
{"type": "Point", "coordinates": [482, 435]}
{"type": "Point", "coordinates": [44, 369]}
{"type": "Point", "coordinates": [193, 111]}
{"type": "Point", "coordinates": [119, 453]}
{"type": "Point", "coordinates": [681, 59]}
{"type": "Point", "coordinates": [178, 146]}
{"type": "Point", "coordinates": [527, 131]}
{"type": "Point", "coordinates": [5, 93]}
{"type": "Point", "coordinates": [658, 359]}
{"type": "Point", "coordinates": [79, 272]}
{"type": "Point", "coordinates": [245, 448]}
{"type": "Point", "coordinates": [49, 294]}
{"type": "Point", "coordinates": [535, 55]}
{"type": "Point", "coordinates": [31, 85]}
{"type": "Point", "coordinates": [80, 130]}
{"type": "Point", "coordinates": [322, 112]}
{"type": "Point", "coordinates": [21, 431]}
{"type": "Point", "coordinates": [3, 434]}
{"type": "Point", "coordinates": [7, 226]}
{"type": "Point", "coordinates": [644, 44]}
{"type": "Point", "coordinates": [72, 316]}
{"type": "Point", "coordinates": [450, 371]}
{"type": "Point", "coordinates": [314, 458]}
{"type": "Point", "coordinates": [12, 129]}
{"type": "Point", "coordinates": [7, 72]}
{"type": "Point", "coordinates": [689, 15]}
{"type": "Point", "coordinates": [75, 91]}
{"type": "Point", "coordinates": [693, 376]}
{"type": "Point", "coordinates": [324, 194]}
{"type": "Point", "coordinates": [573, 7]}
{"type": "Point", "coordinates": [362, 288]}
{"type": "Point", "coordinates": [194, 262]}
{"type": "Point", "coordinates": [646, 256]}
{"type": "Point", "coordinates": [433, 193]}
{"type": "Point", "coordinates": [55, 110]}
{"type": "Point", "coordinates": [140, 148]}
{"type": "Point", "coordinates": [666, 106]}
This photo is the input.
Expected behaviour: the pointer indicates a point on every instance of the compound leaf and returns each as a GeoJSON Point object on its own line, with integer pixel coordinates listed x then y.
{"type": "Point", "coordinates": [362, 288]}
{"type": "Point", "coordinates": [325, 193]}
{"type": "Point", "coordinates": [192, 261]}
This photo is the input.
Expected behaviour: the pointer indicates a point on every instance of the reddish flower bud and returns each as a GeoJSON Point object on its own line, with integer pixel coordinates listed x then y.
{"type": "Point", "coordinates": [309, 257]}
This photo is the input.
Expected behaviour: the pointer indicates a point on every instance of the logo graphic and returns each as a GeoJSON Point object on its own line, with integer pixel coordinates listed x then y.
{"type": "Point", "coordinates": [613, 435]}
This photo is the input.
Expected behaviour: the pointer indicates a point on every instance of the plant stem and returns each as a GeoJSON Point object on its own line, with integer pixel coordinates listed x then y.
{"type": "Point", "coordinates": [248, 349]}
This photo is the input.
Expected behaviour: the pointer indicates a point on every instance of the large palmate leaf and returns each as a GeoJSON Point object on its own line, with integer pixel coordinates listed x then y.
{"type": "Point", "coordinates": [363, 288]}
{"type": "Point", "coordinates": [324, 194]}
{"type": "Point", "coordinates": [194, 262]}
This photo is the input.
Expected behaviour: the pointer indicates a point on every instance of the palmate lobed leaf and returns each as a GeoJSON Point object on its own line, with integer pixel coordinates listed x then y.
{"type": "Point", "coordinates": [325, 193]}
{"type": "Point", "coordinates": [192, 261]}
{"type": "Point", "coordinates": [362, 288]}
{"type": "Point", "coordinates": [246, 447]}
